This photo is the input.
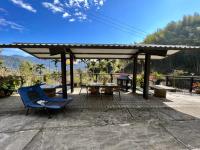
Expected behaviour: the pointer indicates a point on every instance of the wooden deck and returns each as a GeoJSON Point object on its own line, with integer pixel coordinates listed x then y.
{"type": "Point", "coordinates": [128, 100]}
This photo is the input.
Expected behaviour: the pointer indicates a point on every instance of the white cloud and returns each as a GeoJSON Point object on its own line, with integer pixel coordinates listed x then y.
{"type": "Point", "coordinates": [3, 10]}
{"type": "Point", "coordinates": [24, 5]}
{"type": "Point", "coordinates": [72, 20]}
{"type": "Point", "coordinates": [53, 7]}
{"type": "Point", "coordinates": [9, 24]}
{"type": "Point", "coordinates": [77, 8]}
{"type": "Point", "coordinates": [56, 2]}
{"type": "Point", "coordinates": [99, 2]}
{"type": "Point", "coordinates": [81, 16]}
{"type": "Point", "coordinates": [66, 14]}
{"type": "Point", "coordinates": [78, 3]}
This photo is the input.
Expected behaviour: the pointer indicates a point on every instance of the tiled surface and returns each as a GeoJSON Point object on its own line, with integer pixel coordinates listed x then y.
{"type": "Point", "coordinates": [95, 123]}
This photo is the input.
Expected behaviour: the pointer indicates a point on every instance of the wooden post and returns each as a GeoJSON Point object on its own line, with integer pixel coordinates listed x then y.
{"type": "Point", "coordinates": [64, 80]}
{"type": "Point", "coordinates": [111, 78]}
{"type": "Point", "coordinates": [191, 84]}
{"type": "Point", "coordinates": [96, 77]}
{"type": "Point", "coordinates": [146, 76]}
{"type": "Point", "coordinates": [80, 79]}
{"type": "Point", "coordinates": [72, 72]}
{"type": "Point", "coordinates": [167, 80]}
{"type": "Point", "coordinates": [134, 82]}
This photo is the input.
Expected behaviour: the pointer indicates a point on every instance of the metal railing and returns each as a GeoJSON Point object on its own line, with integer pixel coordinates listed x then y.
{"type": "Point", "coordinates": [182, 82]}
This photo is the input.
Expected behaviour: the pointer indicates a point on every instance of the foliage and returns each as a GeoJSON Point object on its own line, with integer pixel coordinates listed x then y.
{"type": "Point", "coordinates": [104, 77]}
{"type": "Point", "coordinates": [55, 61]}
{"type": "Point", "coordinates": [183, 32]}
{"type": "Point", "coordinates": [103, 66]}
{"type": "Point", "coordinates": [26, 70]}
{"type": "Point", "coordinates": [178, 73]}
{"type": "Point", "coordinates": [39, 68]}
{"type": "Point", "coordinates": [1, 63]}
{"type": "Point", "coordinates": [157, 76]}
{"type": "Point", "coordinates": [140, 80]}
{"type": "Point", "coordinates": [55, 75]}
{"type": "Point", "coordinates": [8, 84]}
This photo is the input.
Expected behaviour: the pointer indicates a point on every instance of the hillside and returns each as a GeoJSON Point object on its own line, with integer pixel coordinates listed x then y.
{"type": "Point", "coordinates": [14, 61]}
{"type": "Point", "coordinates": [183, 32]}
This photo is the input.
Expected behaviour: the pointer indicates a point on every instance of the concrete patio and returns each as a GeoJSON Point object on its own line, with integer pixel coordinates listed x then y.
{"type": "Point", "coordinates": [92, 123]}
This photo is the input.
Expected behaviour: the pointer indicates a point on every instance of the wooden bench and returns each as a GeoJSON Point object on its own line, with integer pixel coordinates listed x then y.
{"type": "Point", "coordinates": [161, 90]}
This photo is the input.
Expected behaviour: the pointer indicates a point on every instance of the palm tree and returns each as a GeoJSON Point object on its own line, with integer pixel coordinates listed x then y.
{"type": "Point", "coordinates": [39, 68]}
{"type": "Point", "coordinates": [1, 64]}
{"type": "Point", "coordinates": [55, 61]}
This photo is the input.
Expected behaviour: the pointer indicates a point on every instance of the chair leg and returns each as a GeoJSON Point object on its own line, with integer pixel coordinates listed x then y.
{"type": "Point", "coordinates": [27, 110]}
{"type": "Point", "coordinates": [119, 95]}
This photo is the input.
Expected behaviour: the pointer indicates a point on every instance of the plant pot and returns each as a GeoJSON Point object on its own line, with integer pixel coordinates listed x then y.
{"type": "Point", "coordinates": [197, 91]}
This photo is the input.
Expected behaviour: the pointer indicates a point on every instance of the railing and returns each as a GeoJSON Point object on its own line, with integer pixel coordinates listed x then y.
{"type": "Point", "coordinates": [83, 78]}
{"type": "Point", "coordinates": [98, 77]}
{"type": "Point", "coordinates": [182, 82]}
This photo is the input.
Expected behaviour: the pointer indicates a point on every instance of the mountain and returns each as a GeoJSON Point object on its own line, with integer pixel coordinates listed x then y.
{"type": "Point", "coordinates": [14, 62]}
{"type": "Point", "coordinates": [183, 32]}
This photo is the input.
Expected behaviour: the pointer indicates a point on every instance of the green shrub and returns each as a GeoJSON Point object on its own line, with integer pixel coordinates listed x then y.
{"type": "Point", "coordinates": [8, 84]}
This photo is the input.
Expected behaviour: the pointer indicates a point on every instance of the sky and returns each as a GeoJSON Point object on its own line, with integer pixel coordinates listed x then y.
{"type": "Point", "coordinates": [87, 21]}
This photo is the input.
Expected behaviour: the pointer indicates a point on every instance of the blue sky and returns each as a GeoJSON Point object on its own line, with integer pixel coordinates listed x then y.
{"type": "Point", "coordinates": [87, 21]}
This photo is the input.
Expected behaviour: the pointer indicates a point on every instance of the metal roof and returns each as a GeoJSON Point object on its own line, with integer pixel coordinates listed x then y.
{"type": "Point", "coordinates": [92, 51]}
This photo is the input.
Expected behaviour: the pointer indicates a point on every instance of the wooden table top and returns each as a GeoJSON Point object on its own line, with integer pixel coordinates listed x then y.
{"type": "Point", "coordinates": [102, 85]}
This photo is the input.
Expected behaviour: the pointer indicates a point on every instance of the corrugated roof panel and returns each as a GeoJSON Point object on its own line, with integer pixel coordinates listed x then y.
{"type": "Point", "coordinates": [115, 50]}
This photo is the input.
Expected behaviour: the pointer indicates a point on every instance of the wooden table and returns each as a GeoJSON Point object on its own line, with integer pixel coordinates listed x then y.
{"type": "Point", "coordinates": [49, 90]}
{"type": "Point", "coordinates": [94, 88]}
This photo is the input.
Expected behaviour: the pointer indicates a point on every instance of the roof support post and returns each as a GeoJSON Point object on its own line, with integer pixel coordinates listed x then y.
{"type": "Point", "coordinates": [134, 82]}
{"type": "Point", "coordinates": [72, 72]}
{"type": "Point", "coordinates": [146, 76]}
{"type": "Point", "coordinates": [64, 74]}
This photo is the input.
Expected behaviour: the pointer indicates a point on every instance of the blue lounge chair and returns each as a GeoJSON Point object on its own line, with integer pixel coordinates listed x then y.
{"type": "Point", "coordinates": [33, 94]}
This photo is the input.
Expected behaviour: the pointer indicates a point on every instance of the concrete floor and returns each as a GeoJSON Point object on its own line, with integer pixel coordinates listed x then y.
{"type": "Point", "coordinates": [92, 123]}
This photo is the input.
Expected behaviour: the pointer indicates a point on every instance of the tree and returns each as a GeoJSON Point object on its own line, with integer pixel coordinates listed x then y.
{"type": "Point", "coordinates": [1, 64]}
{"type": "Point", "coordinates": [26, 71]}
{"type": "Point", "coordinates": [1, 61]}
{"type": "Point", "coordinates": [39, 68]}
{"type": "Point", "coordinates": [55, 61]}
{"type": "Point", "coordinates": [183, 32]}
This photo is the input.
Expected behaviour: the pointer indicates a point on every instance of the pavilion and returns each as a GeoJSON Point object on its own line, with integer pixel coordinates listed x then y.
{"type": "Point", "coordinates": [100, 51]}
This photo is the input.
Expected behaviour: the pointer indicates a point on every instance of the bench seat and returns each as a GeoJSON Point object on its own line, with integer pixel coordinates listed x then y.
{"type": "Point", "coordinates": [161, 90]}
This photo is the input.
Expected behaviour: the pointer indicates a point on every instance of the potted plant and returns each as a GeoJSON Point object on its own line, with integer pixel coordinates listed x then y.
{"type": "Point", "coordinates": [104, 78]}
{"type": "Point", "coordinates": [196, 87]}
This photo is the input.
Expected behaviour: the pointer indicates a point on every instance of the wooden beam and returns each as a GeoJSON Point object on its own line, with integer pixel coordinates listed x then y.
{"type": "Point", "coordinates": [134, 84]}
{"type": "Point", "coordinates": [154, 52]}
{"type": "Point", "coordinates": [146, 76]}
{"type": "Point", "coordinates": [56, 50]}
{"type": "Point", "coordinates": [64, 75]}
{"type": "Point", "coordinates": [72, 72]}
